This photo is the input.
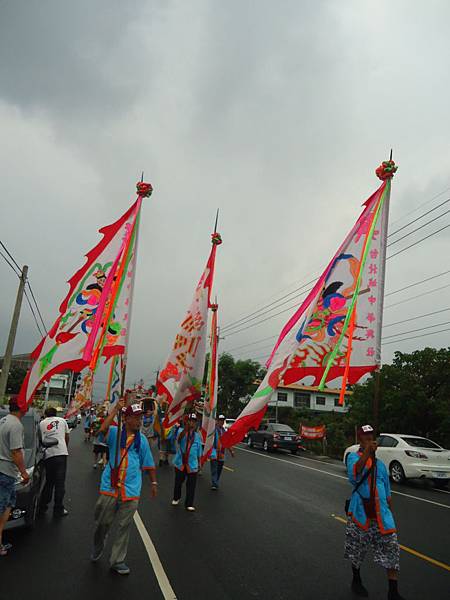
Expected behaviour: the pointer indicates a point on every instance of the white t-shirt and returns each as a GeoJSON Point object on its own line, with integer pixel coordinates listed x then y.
{"type": "Point", "coordinates": [55, 427]}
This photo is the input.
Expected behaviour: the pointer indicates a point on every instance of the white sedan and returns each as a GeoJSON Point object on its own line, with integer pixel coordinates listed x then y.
{"type": "Point", "coordinates": [411, 457]}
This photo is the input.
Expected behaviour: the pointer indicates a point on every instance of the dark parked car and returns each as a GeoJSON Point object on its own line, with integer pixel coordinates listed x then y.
{"type": "Point", "coordinates": [275, 436]}
{"type": "Point", "coordinates": [28, 496]}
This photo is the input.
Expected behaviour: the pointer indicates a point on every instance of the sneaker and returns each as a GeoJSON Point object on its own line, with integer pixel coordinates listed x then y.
{"type": "Point", "coordinates": [121, 569]}
{"type": "Point", "coordinates": [60, 512]}
{"type": "Point", "coordinates": [175, 502]}
{"type": "Point", "coordinates": [359, 589]}
{"type": "Point", "coordinates": [214, 487]}
{"type": "Point", "coordinates": [190, 508]}
{"type": "Point", "coordinates": [94, 466]}
{"type": "Point", "coordinates": [4, 549]}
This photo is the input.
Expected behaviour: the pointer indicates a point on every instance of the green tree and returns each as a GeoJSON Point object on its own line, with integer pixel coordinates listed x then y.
{"type": "Point", "coordinates": [237, 379]}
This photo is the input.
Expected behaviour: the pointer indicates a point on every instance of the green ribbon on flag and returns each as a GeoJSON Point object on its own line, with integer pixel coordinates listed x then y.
{"type": "Point", "coordinates": [357, 287]}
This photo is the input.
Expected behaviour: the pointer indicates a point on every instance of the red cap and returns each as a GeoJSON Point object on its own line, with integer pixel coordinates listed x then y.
{"type": "Point", "coordinates": [133, 410]}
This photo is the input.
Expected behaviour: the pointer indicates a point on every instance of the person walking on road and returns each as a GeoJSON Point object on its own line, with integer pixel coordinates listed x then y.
{"type": "Point", "coordinates": [217, 460]}
{"type": "Point", "coordinates": [187, 462]}
{"type": "Point", "coordinates": [53, 427]}
{"type": "Point", "coordinates": [370, 521]}
{"type": "Point", "coordinates": [121, 483]}
{"type": "Point", "coordinates": [12, 464]}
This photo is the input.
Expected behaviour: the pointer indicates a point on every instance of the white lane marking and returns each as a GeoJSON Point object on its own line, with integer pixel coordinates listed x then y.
{"type": "Point", "coordinates": [163, 581]}
{"type": "Point", "coordinates": [338, 476]}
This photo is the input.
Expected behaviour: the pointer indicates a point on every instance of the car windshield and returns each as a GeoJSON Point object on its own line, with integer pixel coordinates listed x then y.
{"type": "Point", "coordinates": [419, 442]}
{"type": "Point", "coordinates": [281, 427]}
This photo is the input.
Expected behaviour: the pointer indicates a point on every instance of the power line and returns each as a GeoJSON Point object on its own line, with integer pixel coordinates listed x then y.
{"type": "Point", "coordinates": [442, 287]}
{"type": "Point", "coordinates": [10, 264]}
{"type": "Point", "coordinates": [231, 325]}
{"type": "Point", "coordinates": [406, 287]}
{"type": "Point", "coordinates": [37, 307]}
{"type": "Point", "coordinates": [421, 205]}
{"type": "Point", "coordinates": [418, 241]}
{"type": "Point", "coordinates": [435, 312]}
{"type": "Point", "coordinates": [33, 313]}
{"type": "Point", "coordinates": [414, 337]}
{"type": "Point", "coordinates": [418, 218]}
{"type": "Point", "coordinates": [10, 255]}
{"type": "Point", "coordinates": [418, 228]}
{"type": "Point", "coordinates": [414, 330]}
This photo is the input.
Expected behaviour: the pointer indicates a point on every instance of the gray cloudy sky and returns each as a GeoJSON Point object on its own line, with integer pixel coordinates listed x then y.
{"type": "Point", "coordinates": [276, 112]}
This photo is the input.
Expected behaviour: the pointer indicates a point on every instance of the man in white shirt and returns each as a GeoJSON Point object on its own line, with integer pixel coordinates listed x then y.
{"type": "Point", "coordinates": [53, 427]}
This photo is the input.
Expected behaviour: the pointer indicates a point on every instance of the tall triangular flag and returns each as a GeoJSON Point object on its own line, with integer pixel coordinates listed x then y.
{"type": "Point", "coordinates": [336, 332]}
{"type": "Point", "coordinates": [180, 380]}
{"type": "Point", "coordinates": [92, 320]}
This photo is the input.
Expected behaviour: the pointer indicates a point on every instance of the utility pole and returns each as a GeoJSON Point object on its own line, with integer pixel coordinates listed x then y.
{"type": "Point", "coordinates": [12, 333]}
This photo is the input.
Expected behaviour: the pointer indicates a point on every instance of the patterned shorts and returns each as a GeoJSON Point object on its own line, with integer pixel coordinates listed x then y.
{"type": "Point", "coordinates": [386, 550]}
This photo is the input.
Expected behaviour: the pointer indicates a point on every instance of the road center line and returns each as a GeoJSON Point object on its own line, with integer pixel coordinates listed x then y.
{"type": "Point", "coordinates": [163, 580]}
{"type": "Point", "coordinates": [295, 464]}
{"type": "Point", "coordinates": [433, 561]}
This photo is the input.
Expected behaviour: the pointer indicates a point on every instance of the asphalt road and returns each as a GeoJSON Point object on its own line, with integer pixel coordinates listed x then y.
{"type": "Point", "coordinates": [272, 532]}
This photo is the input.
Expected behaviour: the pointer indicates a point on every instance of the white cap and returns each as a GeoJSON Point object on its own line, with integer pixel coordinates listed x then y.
{"type": "Point", "coordinates": [193, 416]}
{"type": "Point", "coordinates": [366, 428]}
{"type": "Point", "coordinates": [221, 417]}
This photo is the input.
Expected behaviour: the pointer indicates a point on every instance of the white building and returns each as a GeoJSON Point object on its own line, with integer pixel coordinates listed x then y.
{"type": "Point", "coordinates": [303, 396]}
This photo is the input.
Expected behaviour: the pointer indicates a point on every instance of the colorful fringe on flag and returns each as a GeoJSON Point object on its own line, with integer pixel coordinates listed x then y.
{"type": "Point", "coordinates": [336, 332]}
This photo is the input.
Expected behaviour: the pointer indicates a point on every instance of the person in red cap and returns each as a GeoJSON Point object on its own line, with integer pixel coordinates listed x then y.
{"type": "Point", "coordinates": [187, 462]}
{"type": "Point", "coordinates": [370, 522]}
{"type": "Point", "coordinates": [121, 483]}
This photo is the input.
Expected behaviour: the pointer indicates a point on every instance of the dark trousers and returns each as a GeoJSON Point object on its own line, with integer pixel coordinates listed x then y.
{"type": "Point", "coordinates": [55, 481]}
{"type": "Point", "coordinates": [191, 478]}
{"type": "Point", "coordinates": [216, 471]}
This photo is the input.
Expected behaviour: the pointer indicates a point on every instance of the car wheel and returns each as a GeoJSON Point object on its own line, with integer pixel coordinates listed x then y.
{"type": "Point", "coordinates": [250, 442]}
{"type": "Point", "coordinates": [396, 472]}
{"type": "Point", "coordinates": [294, 452]}
{"type": "Point", "coordinates": [266, 446]}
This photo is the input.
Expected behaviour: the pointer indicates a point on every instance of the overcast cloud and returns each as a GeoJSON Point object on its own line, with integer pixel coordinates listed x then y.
{"type": "Point", "coordinates": [275, 112]}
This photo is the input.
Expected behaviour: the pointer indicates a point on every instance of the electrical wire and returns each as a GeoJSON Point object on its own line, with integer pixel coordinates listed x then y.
{"type": "Point", "coordinates": [33, 313]}
{"type": "Point", "coordinates": [418, 228]}
{"type": "Point", "coordinates": [418, 241]}
{"type": "Point", "coordinates": [10, 264]}
{"type": "Point", "coordinates": [418, 218]}
{"type": "Point", "coordinates": [413, 337]}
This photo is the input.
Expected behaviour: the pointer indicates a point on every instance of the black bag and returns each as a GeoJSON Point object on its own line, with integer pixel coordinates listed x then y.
{"type": "Point", "coordinates": [347, 502]}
